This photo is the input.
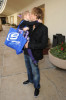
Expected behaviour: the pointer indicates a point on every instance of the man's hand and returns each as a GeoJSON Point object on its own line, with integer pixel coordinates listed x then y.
{"type": "Point", "coordinates": [25, 28]}
{"type": "Point", "coordinates": [26, 45]}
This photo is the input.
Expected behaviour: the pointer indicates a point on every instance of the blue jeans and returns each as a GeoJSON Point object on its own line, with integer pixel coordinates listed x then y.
{"type": "Point", "coordinates": [32, 71]}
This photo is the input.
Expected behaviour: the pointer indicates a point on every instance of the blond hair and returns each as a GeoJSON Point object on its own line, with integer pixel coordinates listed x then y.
{"type": "Point", "coordinates": [24, 14]}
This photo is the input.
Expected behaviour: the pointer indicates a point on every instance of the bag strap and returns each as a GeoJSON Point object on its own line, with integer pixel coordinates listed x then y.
{"type": "Point", "coordinates": [19, 24]}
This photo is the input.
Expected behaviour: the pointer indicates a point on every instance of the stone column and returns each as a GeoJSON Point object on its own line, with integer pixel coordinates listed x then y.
{"type": "Point", "coordinates": [0, 25]}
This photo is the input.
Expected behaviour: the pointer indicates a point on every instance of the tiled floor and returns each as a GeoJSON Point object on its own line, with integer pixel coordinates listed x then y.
{"type": "Point", "coordinates": [13, 73]}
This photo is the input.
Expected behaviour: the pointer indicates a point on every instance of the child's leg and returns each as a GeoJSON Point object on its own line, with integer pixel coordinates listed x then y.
{"type": "Point", "coordinates": [31, 55]}
{"type": "Point", "coordinates": [29, 50]}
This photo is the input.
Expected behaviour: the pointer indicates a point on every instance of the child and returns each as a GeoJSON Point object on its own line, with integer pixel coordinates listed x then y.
{"type": "Point", "coordinates": [28, 25]}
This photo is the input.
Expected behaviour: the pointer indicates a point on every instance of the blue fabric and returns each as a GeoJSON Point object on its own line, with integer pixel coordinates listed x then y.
{"type": "Point", "coordinates": [19, 25]}
{"type": "Point", "coordinates": [15, 40]}
{"type": "Point", "coordinates": [32, 71]}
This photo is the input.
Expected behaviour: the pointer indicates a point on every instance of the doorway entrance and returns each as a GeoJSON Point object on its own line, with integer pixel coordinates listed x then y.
{"type": "Point", "coordinates": [3, 19]}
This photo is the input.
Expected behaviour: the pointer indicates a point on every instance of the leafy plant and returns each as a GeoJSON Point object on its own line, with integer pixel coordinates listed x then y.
{"type": "Point", "coordinates": [13, 24]}
{"type": "Point", "coordinates": [59, 51]}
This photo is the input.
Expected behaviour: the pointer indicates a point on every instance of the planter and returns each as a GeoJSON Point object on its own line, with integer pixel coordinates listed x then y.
{"type": "Point", "coordinates": [56, 61]}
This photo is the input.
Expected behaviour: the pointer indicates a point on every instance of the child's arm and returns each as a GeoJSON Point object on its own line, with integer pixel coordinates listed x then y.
{"type": "Point", "coordinates": [25, 28]}
{"type": "Point", "coordinates": [27, 23]}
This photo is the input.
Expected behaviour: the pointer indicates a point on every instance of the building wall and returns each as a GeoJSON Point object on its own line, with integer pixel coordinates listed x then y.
{"type": "Point", "coordinates": [15, 18]}
{"type": "Point", "coordinates": [55, 15]}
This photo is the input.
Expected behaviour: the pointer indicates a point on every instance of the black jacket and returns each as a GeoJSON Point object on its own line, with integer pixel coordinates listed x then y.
{"type": "Point", "coordinates": [38, 41]}
{"type": "Point", "coordinates": [30, 25]}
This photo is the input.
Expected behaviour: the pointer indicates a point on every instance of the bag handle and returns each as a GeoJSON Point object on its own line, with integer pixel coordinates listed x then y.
{"type": "Point", "coordinates": [19, 24]}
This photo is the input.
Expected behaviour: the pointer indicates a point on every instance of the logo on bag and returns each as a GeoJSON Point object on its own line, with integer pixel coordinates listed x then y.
{"type": "Point", "coordinates": [13, 36]}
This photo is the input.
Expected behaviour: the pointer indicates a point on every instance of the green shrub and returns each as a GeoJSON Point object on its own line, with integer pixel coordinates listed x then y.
{"type": "Point", "coordinates": [13, 24]}
{"type": "Point", "coordinates": [59, 51]}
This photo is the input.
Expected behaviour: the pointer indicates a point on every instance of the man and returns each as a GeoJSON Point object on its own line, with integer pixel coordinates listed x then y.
{"type": "Point", "coordinates": [38, 41]}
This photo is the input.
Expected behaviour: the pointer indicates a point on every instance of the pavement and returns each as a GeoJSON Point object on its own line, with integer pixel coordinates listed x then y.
{"type": "Point", "coordinates": [13, 73]}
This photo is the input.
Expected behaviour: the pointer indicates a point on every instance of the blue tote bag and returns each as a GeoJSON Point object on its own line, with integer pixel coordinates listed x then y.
{"type": "Point", "coordinates": [15, 40]}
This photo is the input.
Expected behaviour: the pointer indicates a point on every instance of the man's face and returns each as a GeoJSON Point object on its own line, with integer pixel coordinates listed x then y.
{"type": "Point", "coordinates": [33, 17]}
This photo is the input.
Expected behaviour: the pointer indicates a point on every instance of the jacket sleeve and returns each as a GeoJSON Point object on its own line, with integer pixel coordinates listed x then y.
{"type": "Point", "coordinates": [28, 24]}
{"type": "Point", "coordinates": [42, 44]}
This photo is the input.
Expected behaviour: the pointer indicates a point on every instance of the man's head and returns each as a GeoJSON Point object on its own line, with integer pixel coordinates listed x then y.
{"type": "Point", "coordinates": [36, 14]}
{"type": "Point", "coordinates": [26, 15]}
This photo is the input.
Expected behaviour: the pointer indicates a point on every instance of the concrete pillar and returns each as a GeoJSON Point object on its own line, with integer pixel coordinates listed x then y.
{"type": "Point", "coordinates": [6, 19]}
{"type": "Point", "coordinates": [0, 25]}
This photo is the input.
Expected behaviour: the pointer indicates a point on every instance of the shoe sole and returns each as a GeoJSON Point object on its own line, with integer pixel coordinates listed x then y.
{"type": "Point", "coordinates": [36, 96]}
{"type": "Point", "coordinates": [28, 83]}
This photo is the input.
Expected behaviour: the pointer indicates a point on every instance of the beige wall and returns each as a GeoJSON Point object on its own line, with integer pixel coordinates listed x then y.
{"type": "Point", "coordinates": [55, 15]}
{"type": "Point", "coordinates": [15, 18]}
